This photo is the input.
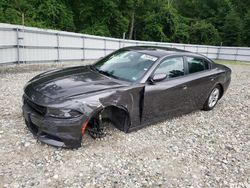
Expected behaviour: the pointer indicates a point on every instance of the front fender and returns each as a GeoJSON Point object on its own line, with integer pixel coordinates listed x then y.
{"type": "Point", "coordinates": [128, 99]}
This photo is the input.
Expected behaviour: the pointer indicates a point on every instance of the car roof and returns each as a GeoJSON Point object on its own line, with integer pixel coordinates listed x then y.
{"type": "Point", "coordinates": [158, 51]}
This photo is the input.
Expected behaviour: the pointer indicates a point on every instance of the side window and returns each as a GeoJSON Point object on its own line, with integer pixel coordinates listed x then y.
{"type": "Point", "coordinates": [197, 64]}
{"type": "Point", "coordinates": [172, 67]}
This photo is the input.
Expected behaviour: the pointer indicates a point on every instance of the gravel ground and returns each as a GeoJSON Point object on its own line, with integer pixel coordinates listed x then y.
{"type": "Point", "coordinates": [201, 149]}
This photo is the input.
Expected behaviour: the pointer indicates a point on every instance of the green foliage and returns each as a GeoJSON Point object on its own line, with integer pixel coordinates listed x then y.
{"type": "Point", "coordinates": [241, 6]}
{"type": "Point", "coordinates": [13, 10]}
{"type": "Point", "coordinates": [158, 24]}
{"type": "Point", "coordinates": [102, 18]}
{"type": "Point", "coordinates": [194, 21]}
{"type": "Point", "coordinates": [182, 30]}
{"type": "Point", "coordinates": [2, 8]}
{"type": "Point", "coordinates": [202, 32]}
{"type": "Point", "coordinates": [231, 31]}
{"type": "Point", "coordinates": [246, 29]}
{"type": "Point", "coordinates": [55, 14]}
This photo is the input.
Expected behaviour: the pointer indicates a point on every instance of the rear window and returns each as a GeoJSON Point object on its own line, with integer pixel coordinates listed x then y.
{"type": "Point", "coordinates": [197, 64]}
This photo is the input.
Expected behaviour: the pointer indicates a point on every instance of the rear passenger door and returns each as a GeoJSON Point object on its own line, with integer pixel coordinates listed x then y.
{"type": "Point", "coordinates": [200, 80]}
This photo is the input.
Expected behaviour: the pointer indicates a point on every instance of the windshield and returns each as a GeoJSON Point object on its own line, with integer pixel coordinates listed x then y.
{"type": "Point", "coordinates": [125, 65]}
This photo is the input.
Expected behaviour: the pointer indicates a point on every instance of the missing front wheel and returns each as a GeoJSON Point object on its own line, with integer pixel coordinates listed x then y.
{"type": "Point", "coordinates": [96, 128]}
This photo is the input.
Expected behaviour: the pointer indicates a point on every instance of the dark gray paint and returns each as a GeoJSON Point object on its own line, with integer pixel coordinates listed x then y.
{"type": "Point", "coordinates": [83, 89]}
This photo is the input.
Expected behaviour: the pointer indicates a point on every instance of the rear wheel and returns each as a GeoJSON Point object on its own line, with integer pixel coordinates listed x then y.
{"type": "Point", "coordinates": [212, 99]}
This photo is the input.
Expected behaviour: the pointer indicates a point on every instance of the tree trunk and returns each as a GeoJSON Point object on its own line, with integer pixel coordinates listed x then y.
{"type": "Point", "coordinates": [132, 23]}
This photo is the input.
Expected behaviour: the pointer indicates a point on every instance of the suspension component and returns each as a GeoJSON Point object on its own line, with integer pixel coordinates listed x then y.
{"type": "Point", "coordinates": [96, 128]}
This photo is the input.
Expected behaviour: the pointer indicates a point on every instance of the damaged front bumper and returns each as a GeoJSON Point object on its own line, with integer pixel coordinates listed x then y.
{"type": "Point", "coordinates": [53, 131]}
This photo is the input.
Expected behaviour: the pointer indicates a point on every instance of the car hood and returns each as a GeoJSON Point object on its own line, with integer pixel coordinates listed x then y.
{"type": "Point", "coordinates": [69, 82]}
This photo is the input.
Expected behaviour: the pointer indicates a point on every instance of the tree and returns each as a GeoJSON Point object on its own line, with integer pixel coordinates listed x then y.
{"type": "Point", "coordinates": [18, 11]}
{"type": "Point", "coordinates": [182, 30]}
{"type": "Point", "coordinates": [231, 30]}
{"type": "Point", "coordinates": [102, 17]}
{"type": "Point", "coordinates": [157, 24]}
{"type": "Point", "coordinates": [55, 14]}
{"type": "Point", "coordinates": [213, 11]}
{"type": "Point", "coordinates": [202, 32]}
{"type": "Point", "coordinates": [2, 7]}
{"type": "Point", "coordinates": [193, 21]}
{"type": "Point", "coordinates": [246, 30]}
{"type": "Point", "coordinates": [241, 6]}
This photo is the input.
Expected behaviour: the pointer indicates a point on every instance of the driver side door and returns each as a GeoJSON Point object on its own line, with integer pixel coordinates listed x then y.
{"type": "Point", "coordinates": [167, 97]}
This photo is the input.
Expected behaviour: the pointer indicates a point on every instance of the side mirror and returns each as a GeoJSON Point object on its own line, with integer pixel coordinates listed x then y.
{"type": "Point", "coordinates": [159, 77]}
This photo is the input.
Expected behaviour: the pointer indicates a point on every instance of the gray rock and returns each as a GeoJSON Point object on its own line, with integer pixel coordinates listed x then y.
{"type": "Point", "coordinates": [200, 149]}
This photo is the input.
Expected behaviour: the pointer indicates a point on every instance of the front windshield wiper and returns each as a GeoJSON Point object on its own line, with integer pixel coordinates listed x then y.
{"type": "Point", "coordinates": [93, 68]}
{"type": "Point", "coordinates": [106, 73]}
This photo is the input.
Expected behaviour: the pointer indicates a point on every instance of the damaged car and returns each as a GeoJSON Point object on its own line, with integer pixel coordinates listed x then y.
{"type": "Point", "coordinates": [131, 87]}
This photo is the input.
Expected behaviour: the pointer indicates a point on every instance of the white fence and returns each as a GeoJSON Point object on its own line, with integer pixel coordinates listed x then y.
{"type": "Point", "coordinates": [19, 44]}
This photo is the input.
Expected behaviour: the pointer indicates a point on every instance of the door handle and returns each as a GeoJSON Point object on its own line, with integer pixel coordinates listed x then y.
{"type": "Point", "coordinates": [184, 87]}
{"type": "Point", "coordinates": [211, 79]}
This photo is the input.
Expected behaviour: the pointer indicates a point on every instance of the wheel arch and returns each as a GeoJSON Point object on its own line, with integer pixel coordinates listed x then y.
{"type": "Point", "coordinates": [221, 89]}
{"type": "Point", "coordinates": [118, 115]}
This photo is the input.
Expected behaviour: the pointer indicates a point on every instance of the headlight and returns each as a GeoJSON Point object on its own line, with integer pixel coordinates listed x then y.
{"type": "Point", "coordinates": [62, 113]}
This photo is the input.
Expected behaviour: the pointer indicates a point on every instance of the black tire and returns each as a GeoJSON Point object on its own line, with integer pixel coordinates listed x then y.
{"type": "Point", "coordinates": [213, 98]}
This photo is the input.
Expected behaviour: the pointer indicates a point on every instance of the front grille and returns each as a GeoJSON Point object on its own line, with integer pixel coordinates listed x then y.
{"type": "Point", "coordinates": [39, 109]}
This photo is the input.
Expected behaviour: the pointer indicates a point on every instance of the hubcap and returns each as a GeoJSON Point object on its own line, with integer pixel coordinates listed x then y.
{"type": "Point", "coordinates": [213, 98]}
